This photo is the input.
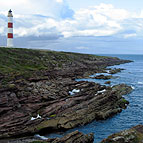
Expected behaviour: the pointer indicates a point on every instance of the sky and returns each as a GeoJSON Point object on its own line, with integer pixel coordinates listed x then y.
{"type": "Point", "coordinates": [131, 5]}
{"type": "Point", "coordinates": [93, 26]}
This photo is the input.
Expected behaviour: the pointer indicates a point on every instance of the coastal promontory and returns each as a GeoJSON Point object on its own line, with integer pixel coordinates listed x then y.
{"type": "Point", "coordinates": [39, 92]}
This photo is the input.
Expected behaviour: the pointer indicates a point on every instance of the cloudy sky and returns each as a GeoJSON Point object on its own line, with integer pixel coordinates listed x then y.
{"type": "Point", "coordinates": [93, 26]}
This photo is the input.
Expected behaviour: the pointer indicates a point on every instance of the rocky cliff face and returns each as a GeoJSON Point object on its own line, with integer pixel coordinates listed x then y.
{"type": "Point", "coordinates": [40, 94]}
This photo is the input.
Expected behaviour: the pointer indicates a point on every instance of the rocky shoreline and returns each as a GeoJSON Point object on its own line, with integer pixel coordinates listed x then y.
{"type": "Point", "coordinates": [50, 99]}
{"type": "Point", "coordinates": [73, 137]}
{"type": "Point", "coordinates": [132, 135]}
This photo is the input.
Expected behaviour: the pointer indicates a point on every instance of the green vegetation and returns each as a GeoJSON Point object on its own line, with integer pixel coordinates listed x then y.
{"type": "Point", "coordinates": [18, 63]}
{"type": "Point", "coordinates": [123, 100]}
{"type": "Point", "coordinates": [54, 115]}
{"type": "Point", "coordinates": [22, 60]}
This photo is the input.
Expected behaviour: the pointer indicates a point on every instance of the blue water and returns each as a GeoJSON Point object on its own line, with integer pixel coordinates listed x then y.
{"type": "Point", "coordinates": [133, 115]}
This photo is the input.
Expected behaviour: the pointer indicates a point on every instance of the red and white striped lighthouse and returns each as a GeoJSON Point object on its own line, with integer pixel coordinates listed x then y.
{"type": "Point", "coordinates": [10, 29]}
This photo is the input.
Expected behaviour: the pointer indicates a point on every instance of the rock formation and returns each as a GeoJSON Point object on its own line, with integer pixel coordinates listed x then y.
{"type": "Point", "coordinates": [74, 137]}
{"type": "Point", "coordinates": [36, 87]}
{"type": "Point", "coordinates": [133, 135]}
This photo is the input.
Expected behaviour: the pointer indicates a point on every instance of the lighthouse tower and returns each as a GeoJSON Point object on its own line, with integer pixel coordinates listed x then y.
{"type": "Point", "coordinates": [10, 29]}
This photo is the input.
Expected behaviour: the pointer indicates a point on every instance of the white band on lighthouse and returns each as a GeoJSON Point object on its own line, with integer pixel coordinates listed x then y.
{"type": "Point", "coordinates": [9, 42]}
{"type": "Point", "coordinates": [10, 19]}
{"type": "Point", "coordinates": [10, 29]}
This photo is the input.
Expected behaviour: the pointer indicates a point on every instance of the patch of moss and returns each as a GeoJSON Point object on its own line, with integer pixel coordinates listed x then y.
{"type": "Point", "coordinates": [122, 103]}
{"type": "Point", "coordinates": [123, 100]}
{"type": "Point", "coordinates": [54, 115]}
{"type": "Point", "coordinates": [12, 86]}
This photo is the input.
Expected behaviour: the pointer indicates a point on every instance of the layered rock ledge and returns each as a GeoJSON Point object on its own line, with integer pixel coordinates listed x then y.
{"type": "Point", "coordinates": [133, 135]}
{"type": "Point", "coordinates": [74, 137]}
{"type": "Point", "coordinates": [38, 91]}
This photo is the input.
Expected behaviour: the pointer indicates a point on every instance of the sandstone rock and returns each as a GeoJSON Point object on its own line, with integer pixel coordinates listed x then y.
{"type": "Point", "coordinates": [93, 102]}
{"type": "Point", "coordinates": [46, 93]}
{"type": "Point", "coordinates": [73, 137]}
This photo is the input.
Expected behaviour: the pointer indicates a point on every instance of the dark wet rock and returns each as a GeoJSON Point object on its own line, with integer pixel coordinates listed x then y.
{"type": "Point", "coordinates": [115, 70]}
{"type": "Point", "coordinates": [1, 76]}
{"type": "Point", "coordinates": [105, 77]}
{"type": "Point", "coordinates": [122, 89]}
{"type": "Point", "coordinates": [73, 137]}
{"type": "Point", "coordinates": [133, 135]}
{"type": "Point", "coordinates": [108, 82]}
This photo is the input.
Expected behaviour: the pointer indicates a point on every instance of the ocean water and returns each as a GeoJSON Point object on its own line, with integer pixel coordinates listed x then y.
{"type": "Point", "coordinates": [133, 115]}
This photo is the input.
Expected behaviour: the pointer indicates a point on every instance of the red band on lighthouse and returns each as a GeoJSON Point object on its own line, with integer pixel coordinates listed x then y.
{"type": "Point", "coordinates": [10, 25]}
{"type": "Point", "coordinates": [10, 35]}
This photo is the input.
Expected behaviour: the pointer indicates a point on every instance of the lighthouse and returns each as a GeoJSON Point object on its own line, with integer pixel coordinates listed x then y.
{"type": "Point", "coordinates": [10, 29]}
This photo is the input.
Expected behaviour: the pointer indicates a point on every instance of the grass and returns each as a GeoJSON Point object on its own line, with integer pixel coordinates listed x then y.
{"type": "Point", "coordinates": [16, 62]}
{"type": "Point", "coordinates": [21, 60]}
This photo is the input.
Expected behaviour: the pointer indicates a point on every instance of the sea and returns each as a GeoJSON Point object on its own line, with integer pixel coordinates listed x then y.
{"type": "Point", "coordinates": [133, 115]}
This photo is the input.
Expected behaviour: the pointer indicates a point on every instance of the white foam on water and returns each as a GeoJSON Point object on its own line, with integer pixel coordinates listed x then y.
{"type": "Point", "coordinates": [41, 137]}
{"type": "Point", "coordinates": [74, 91]}
{"type": "Point", "coordinates": [132, 87]}
{"type": "Point", "coordinates": [32, 118]}
{"type": "Point", "coordinates": [102, 91]}
{"type": "Point", "coordinates": [140, 82]}
{"type": "Point", "coordinates": [105, 74]}
{"type": "Point", "coordinates": [108, 71]}
{"type": "Point", "coordinates": [38, 117]}
{"type": "Point", "coordinates": [97, 74]}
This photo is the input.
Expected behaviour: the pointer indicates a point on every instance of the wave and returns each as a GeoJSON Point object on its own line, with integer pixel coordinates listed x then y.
{"type": "Point", "coordinates": [74, 91]}
{"type": "Point", "coordinates": [132, 87]}
{"type": "Point", "coordinates": [40, 137]}
{"type": "Point", "coordinates": [140, 82]}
